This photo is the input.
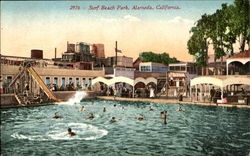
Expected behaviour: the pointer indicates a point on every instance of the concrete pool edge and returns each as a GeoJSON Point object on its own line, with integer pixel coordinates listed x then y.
{"type": "Point", "coordinates": [172, 101]}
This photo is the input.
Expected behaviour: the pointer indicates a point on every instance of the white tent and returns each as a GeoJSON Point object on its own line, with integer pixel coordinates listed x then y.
{"type": "Point", "coordinates": [220, 81]}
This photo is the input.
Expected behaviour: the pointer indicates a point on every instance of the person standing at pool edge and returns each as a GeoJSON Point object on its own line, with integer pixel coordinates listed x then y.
{"type": "Point", "coordinates": [212, 93]}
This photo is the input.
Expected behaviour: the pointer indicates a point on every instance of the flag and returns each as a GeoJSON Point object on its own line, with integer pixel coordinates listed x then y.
{"type": "Point", "coordinates": [118, 51]}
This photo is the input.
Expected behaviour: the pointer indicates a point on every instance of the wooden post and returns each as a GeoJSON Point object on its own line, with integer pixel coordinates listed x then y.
{"type": "Point", "coordinates": [115, 53]}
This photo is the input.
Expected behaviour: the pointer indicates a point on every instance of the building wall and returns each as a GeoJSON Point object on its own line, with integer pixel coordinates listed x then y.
{"type": "Point", "coordinates": [8, 70]}
{"type": "Point", "coordinates": [125, 72]}
{"type": "Point", "coordinates": [98, 50]}
{"type": "Point", "coordinates": [157, 75]}
{"type": "Point", "coordinates": [122, 61]}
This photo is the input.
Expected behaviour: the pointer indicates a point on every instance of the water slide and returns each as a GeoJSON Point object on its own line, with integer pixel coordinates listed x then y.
{"type": "Point", "coordinates": [40, 82]}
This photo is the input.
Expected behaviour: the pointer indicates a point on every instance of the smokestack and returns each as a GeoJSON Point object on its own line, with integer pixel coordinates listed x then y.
{"type": "Point", "coordinates": [55, 53]}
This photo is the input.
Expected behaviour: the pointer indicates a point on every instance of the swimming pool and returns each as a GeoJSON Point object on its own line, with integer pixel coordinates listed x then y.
{"type": "Point", "coordinates": [200, 130]}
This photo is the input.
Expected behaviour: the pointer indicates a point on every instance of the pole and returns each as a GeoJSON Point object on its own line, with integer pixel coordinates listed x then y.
{"type": "Point", "coordinates": [55, 53]}
{"type": "Point", "coordinates": [190, 92]}
{"type": "Point", "coordinates": [115, 53]}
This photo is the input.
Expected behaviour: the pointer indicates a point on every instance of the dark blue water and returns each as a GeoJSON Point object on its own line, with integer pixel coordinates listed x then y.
{"type": "Point", "coordinates": [200, 130]}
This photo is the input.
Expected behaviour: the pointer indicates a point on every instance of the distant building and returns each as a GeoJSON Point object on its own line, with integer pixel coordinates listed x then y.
{"type": "Point", "coordinates": [187, 67]}
{"type": "Point", "coordinates": [122, 61]}
{"type": "Point", "coordinates": [79, 52]}
{"type": "Point", "coordinates": [137, 62]}
{"type": "Point", "coordinates": [152, 67]}
{"type": "Point", "coordinates": [216, 66]}
{"type": "Point", "coordinates": [98, 50]}
{"type": "Point", "coordinates": [71, 47]}
{"type": "Point", "coordinates": [239, 64]}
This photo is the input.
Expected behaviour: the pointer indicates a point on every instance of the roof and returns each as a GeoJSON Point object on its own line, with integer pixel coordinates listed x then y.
{"type": "Point", "coordinates": [245, 54]}
{"type": "Point", "coordinates": [138, 59]}
{"type": "Point", "coordinates": [152, 64]}
{"type": "Point", "coordinates": [242, 57]}
{"type": "Point", "coordinates": [221, 80]}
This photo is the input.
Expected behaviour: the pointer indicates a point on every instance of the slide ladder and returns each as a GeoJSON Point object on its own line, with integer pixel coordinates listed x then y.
{"type": "Point", "coordinates": [43, 86]}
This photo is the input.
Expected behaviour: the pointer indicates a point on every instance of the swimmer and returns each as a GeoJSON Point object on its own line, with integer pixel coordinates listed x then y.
{"type": "Point", "coordinates": [114, 105]}
{"type": "Point", "coordinates": [151, 108]}
{"type": "Point", "coordinates": [141, 117]}
{"type": "Point", "coordinates": [57, 116]}
{"type": "Point", "coordinates": [180, 109]}
{"type": "Point", "coordinates": [164, 117]}
{"type": "Point", "coordinates": [91, 117]}
{"type": "Point", "coordinates": [113, 119]}
{"type": "Point", "coordinates": [104, 109]}
{"type": "Point", "coordinates": [70, 133]}
{"type": "Point", "coordinates": [82, 109]}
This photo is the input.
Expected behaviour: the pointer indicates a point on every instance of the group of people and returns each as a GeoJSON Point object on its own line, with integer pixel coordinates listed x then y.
{"type": "Point", "coordinates": [91, 116]}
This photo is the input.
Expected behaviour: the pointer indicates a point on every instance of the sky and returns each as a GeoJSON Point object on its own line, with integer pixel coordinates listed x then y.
{"type": "Point", "coordinates": [47, 25]}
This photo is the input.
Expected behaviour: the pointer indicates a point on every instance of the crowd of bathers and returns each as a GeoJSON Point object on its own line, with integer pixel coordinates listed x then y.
{"type": "Point", "coordinates": [113, 119]}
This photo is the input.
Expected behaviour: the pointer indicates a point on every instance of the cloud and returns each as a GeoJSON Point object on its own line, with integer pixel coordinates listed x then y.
{"type": "Point", "coordinates": [132, 18]}
{"type": "Point", "coordinates": [180, 20]}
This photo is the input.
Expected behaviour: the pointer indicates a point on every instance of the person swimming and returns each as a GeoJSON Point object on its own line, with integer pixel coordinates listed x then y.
{"type": "Point", "coordinates": [57, 116]}
{"type": "Point", "coordinates": [114, 105]}
{"type": "Point", "coordinates": [91, 117]}
{"type": "Point", "coordinates": [180, 109]}
{"type": "Point", "coordinates": [164, 117]}
{"type": "Point", "coordinates": [82, 109]}
{"type": "Point", "coordinates": [151, 108]}
{"type": "Point", "coordinates": [70, 133]}
{"type": "Point", "coordinates": [113, 119]}
{"type": "Point", "coordinates": [104, 109]}
{"type": "Point", "coordinates": [141, 117]}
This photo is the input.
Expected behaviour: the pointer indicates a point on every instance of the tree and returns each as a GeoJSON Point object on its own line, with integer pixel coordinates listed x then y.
{"type": "Point", "coordinates": [241, 19]}
{"type": "Point", "coordinates": [199, 41]}
{"type": "Point", "coordinates": [158, 58]}
{"type": "Point", "coordinates": [222, 29]}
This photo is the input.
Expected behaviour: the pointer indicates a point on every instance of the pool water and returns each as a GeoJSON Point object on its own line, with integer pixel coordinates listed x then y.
{"type": "Point", "coordinates": [199, 130]}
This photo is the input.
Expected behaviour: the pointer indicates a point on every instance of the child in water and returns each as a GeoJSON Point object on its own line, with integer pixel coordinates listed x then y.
{"type": "Point", "coordinates": [141, 117]}
{"type": "Point", "coordinates": [113, 119]}
{"type": "Point", "coordinates": [70, 133]}
{"type": "Point", "coordinates": [57, 116]}
{"type": "Point", "coordinates": [91, 117]}
{"type": "Point", "coordinates": [82, 109]}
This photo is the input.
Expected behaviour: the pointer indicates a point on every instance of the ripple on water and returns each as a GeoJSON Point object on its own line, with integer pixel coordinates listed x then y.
{"type": "Point", "coordinates": [59, 132]}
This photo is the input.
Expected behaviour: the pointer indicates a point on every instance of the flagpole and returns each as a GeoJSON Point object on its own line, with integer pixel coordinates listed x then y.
{"type": "Point", "coordinates": [115, 53]}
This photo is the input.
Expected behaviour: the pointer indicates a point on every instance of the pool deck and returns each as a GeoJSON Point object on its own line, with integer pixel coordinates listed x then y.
{"type": "Point", "coordinates": [173, 101]}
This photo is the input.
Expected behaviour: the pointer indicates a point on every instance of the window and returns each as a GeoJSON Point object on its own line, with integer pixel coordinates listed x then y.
{"type": "Point", "coordinates": [9, 79]}
{"type": "Point", "coordinates": [90, 82]}
{"type": "Point", "coordinates": [70, 80]}
{"type": "Point", "coordinates": [77, 81]}
{"type": "Point", "coordinates": [145, 68]}
{"type": "Point", "coordinates": [47, 80]}
{"type": "Point", "coordinates": [56, 80]}
{"type": "Point", "coordinates": [182, 67]}
{"type": "Point", "coordinates": [83, 83]}
{"type": "Point", "coordinates": [63, 82]}
{"type": "Point", "coordinates": [177, 68]}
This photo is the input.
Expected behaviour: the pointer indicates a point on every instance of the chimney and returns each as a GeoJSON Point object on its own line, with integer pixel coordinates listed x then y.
{"type": "Point", "coordinates": [55, 53]}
